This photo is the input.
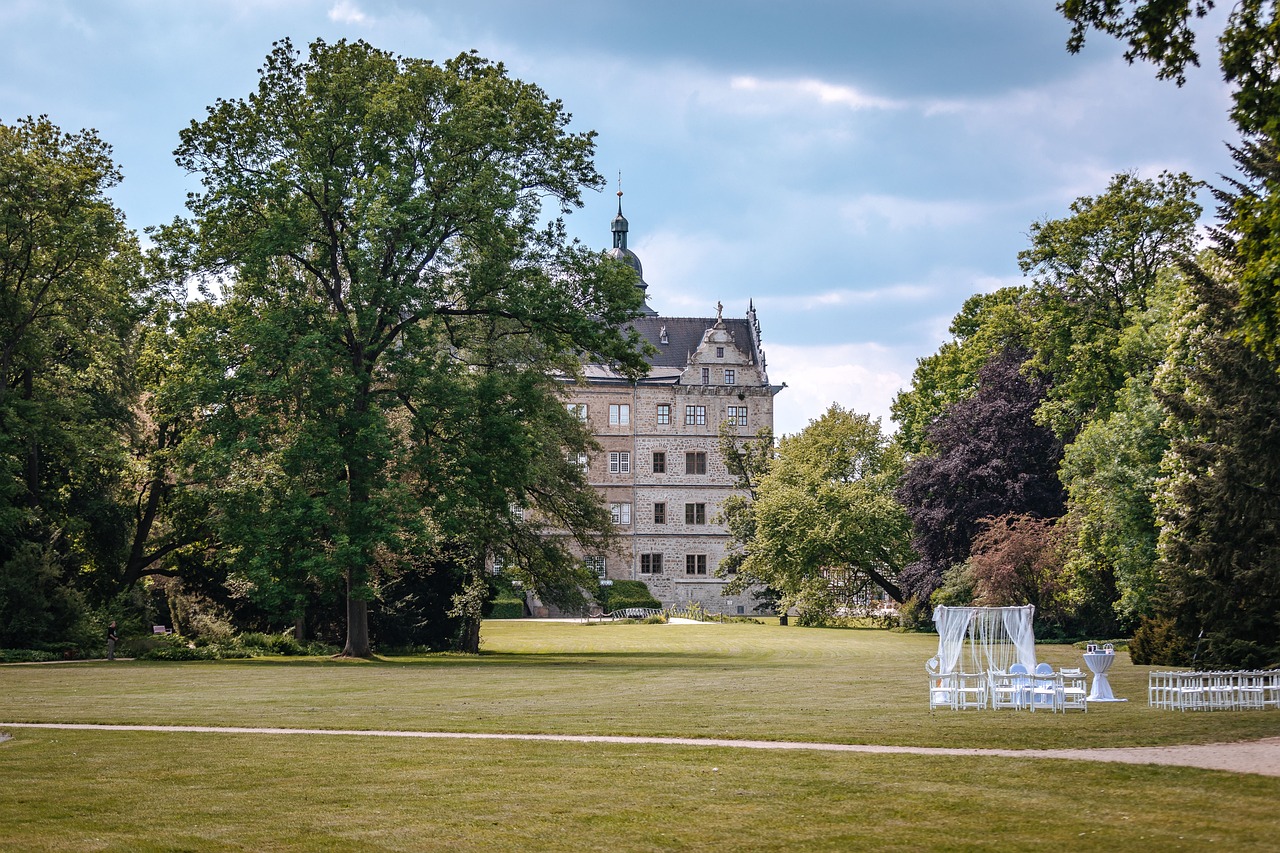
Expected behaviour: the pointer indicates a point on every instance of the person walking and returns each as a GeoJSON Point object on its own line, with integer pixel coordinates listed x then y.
{"type": "Point", "coordinates": [112, 638]}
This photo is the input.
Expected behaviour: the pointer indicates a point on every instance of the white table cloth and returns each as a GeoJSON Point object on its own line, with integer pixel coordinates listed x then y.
{"type": "Point", "coordinates": [1099, 663]}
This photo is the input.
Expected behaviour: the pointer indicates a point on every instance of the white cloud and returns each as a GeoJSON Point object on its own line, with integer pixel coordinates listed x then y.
{"type": "Point", "coordinates": [862, 377]}
{"type": "Point", "coordinates": [899, 214]}
{"type": "Point", "coordinates": [792, 91]}
{"type": "Point", "coordinates": [347, 12]}
{"type": "Point", "coordinates": [844, 298]}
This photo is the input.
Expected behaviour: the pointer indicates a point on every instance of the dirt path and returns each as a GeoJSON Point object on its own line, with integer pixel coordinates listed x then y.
{"type": "Point", "coordinates": [1259, 756]}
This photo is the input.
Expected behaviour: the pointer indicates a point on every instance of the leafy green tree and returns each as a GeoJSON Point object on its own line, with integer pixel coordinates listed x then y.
{"type": "Point", "coordinates": [1163, 33]}
{"type": "Point", "coordinates": [1110, 472]}
{"type": "Point", "coordinates": [1095, 272]}
{"type": "Point", "coordinates": [987, 325]}
{"type": "Point", "coordinates": [825, 505]}
{"type": "Point", "coordinates": [1219, 505]}
{"type": "Point", "coordinates": [71, 292]}
{"type": "Point", "coordinates": [748, 461]}
{"type": "Point", "coordinates": [360, 211]}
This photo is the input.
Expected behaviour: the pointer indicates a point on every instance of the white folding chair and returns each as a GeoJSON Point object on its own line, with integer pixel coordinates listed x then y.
{"type": "Point", "coordinates": [1046, 688]}
{"type": "Point", "coordinates": [1250, 690]}
{"type": "Point", "coordinates": [1075, 690]}
{"type": "Point", "coordinates": [943, 691]}
{"type": "Point", "coordinates": [971, 690]}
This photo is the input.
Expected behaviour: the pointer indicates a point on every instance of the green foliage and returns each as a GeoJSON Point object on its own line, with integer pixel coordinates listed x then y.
{"type": "Point", "coordinates": [26, 656]}
{"type": "Point", "coordinates": [826, 503]}
{"type": "Point", "coordinates": [622, 594]}
{"type": "Point", "coordinates": [1219, 503]}
{"type": "Point", "coordinates": [1096, 272]}
{"type": "Point", "coordinates": [71, 293]}
{"type": "Point", "coordinates": [987, 325]}
{"type": "Point", "coordinates": [957, 588]}
{"type": "Point", "coordinates": [1159, 32]}
{"type": "Point", "coordinates": [395, 305]}
{"type": "Point", "coordinates": [1158, 642]}
{"type": "Point", "coordinates": [507, 608]}
{"type": "Point", "coordinates": [747, 460]}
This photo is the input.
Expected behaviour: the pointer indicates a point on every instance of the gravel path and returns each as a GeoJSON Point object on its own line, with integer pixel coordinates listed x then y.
{"type": "Point", "coordinates": [1259, 756]}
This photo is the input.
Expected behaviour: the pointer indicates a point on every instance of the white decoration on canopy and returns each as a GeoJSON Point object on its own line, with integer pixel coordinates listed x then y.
{"type": "Point", "coordinates": [997, 637]}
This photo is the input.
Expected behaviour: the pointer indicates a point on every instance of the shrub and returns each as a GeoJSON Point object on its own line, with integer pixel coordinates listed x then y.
{"type": "Point", "coordinates": [915, 615]}
{"type": "Point", "coordinates": [26, 656]}
{"type": "Point", "coordinates": [622, 594]}
{"type": "Point", "coordinates": [180, 653]}
{"type": "Point", "coordinates": [507, 608]}
{"type": "Point", "coordinates": [257, 640]}
{"type": "Point", "coordinates": [1157, 641]}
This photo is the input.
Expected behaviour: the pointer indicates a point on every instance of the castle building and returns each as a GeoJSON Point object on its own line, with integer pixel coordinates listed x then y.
{"type": "Point", "coordinates": [659, 466]}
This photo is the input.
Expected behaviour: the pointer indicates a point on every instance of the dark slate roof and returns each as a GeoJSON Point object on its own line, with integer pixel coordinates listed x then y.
{"type": "Point", "coordinates": [684, 334]}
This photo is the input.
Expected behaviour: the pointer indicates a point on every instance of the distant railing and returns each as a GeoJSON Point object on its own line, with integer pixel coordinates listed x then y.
{"type": "Point", "coordinates": [695, 613]}
{"type": "Point", "coordinates": [634, 613]}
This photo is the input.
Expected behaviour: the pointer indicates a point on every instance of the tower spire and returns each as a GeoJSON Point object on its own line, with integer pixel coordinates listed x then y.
{"type": "Point", "coordinates": [619, 227]}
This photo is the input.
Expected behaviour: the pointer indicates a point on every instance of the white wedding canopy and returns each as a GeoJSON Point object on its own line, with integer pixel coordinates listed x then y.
{"type": "Point", "coordinates": [997, 636]}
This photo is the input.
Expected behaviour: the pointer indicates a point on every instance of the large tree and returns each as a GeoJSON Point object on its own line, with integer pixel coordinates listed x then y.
{"type": "Point", "coordinates": [1095, 273]}
{"type": "Point", "coordinates": [1219, 504]}
{"type": "Point", "coordinates": [359, 212]}
{"type": "Point", "coordinates": [824, 510]}
{"type": "Point", "coordinates": [1163, 32]}
{"type": "Point", "coordinates": [71, 293]}
{"type": "Point", "coordinates": [988, 459]}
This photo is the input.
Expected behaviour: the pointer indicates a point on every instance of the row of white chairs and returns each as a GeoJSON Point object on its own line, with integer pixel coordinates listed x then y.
{"type": "Point", "coordinates": [1044, 689]}
{"type": "Point", "coordinates": [1214, 691]}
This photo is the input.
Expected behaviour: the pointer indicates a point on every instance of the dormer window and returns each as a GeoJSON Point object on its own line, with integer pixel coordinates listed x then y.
{"type": "Point", "coordinates": [662, 336]}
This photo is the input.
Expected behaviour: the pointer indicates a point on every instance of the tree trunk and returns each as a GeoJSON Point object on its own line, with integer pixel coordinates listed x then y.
{"type": "Point", "coordinates": [469, 636]}
{"type": "Point", "coordinates": [357, 625]}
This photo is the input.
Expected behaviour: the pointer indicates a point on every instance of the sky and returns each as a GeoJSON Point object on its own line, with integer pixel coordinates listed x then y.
{"type": "Point", "coordinates": [855, 169]}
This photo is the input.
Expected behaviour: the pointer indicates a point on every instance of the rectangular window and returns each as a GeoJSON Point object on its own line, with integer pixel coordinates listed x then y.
{"type": "Point", "coordinates": [660, 513]}
{"type": "Point", "coordinates": [719, 352]}
{"type": "Point", "coordinates": [620, 462]}
{"type": "Point", "coordinates": [664, 413]}
{"type": "Point", "coordinates": [619, 414]}
{"type": "Point", "coordinates": [578, 410]}
{"type": "Point", "coordinates": [706, 376]}
{"type": "Point", "coordinates": [579, 459]}
{"type": "Point", "coordinates": [695, 462]}
{"type": "Point", "coordinates": [729, 376]}
{"type": "Point", "coordinates": [695, 564]}
{"type": "Point", "coordinates": [650, 564]}
{"type": "Point", "coordinates": [737, 416]}
{"type": "Point", "coordinates": [594, 564]}
{"type": "Point", "coordinates": [659, 462]}
{"type": "Point", "coordinates": [695, 415]}
{"type": "Point", "coordinates": [695, 513]}
{"type": "Point", "coordinates": [621, 513]}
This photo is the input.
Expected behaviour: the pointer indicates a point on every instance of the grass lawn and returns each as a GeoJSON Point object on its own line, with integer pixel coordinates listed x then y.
{"type": "Point", "coordinates": [77, 790]}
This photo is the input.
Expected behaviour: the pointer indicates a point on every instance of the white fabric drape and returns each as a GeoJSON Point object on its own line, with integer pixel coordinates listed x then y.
{"type": "Point", "coordinates": [997, 636]}
{"type": "Point", "coordinates": [952, 624]}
